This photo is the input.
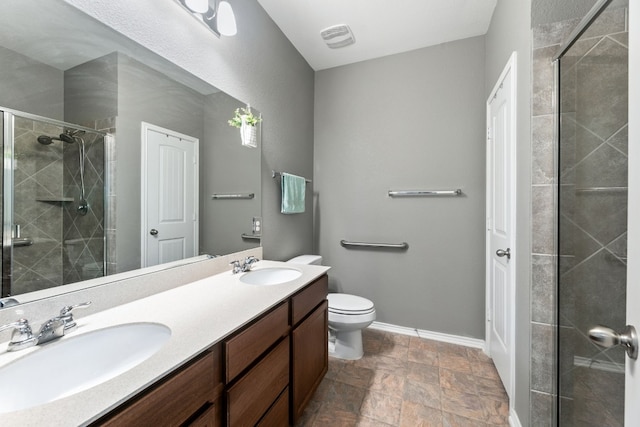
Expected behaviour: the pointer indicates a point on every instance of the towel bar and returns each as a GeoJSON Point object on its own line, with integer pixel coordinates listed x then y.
{"type": "Point", "coordinates": [275, 174]}
{"type": "Point", "coordinates": [232, 196]}
{"type": "Point", "coordinates": [423, 193]}
{"type": "Point", "coordinates": [346, 243]}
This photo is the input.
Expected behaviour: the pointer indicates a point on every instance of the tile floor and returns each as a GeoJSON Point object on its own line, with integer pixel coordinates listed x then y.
{"type": "Point", "coordinates": [409, 382]}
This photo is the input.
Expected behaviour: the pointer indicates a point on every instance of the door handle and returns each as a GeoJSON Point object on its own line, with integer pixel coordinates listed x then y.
{"type": "Point", "coordinates": [607, 337]}
{"type": "Point", "coordinates": [504, 252]}
{"type": "Point", "coordinates": [153, 232]}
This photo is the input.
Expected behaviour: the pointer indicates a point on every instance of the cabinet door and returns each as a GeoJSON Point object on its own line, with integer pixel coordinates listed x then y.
{"type": "Point", "coordinates": [310, 358]}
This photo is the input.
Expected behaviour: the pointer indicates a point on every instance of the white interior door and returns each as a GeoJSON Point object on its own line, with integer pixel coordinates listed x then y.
{"type": "Point", "coordinates": [170, 196]}
{"type": "Point", "coordinates": [632, 367]}
{"type": "Point", "coordinates": [500, 224]}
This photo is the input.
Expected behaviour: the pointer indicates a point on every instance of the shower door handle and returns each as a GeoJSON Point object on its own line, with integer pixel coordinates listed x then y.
{"type": "Point", "coordinates": [607, 337]}
{"type": "Point", "coordinates": [504, 252]}
{"type": "Point", "coordinates": [153, 232]}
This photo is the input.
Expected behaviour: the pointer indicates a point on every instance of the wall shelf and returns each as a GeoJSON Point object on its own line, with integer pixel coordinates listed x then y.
{"type": "Point", "coordinates": [55, 199]}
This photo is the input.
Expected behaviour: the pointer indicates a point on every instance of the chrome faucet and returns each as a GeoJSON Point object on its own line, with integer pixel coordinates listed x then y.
{"type": "Point", "coordinates": [23, 337]}
{"type": "Point", "coordinates": [67, 317]}
{"type": "Point", "coordinates": [245, 266]}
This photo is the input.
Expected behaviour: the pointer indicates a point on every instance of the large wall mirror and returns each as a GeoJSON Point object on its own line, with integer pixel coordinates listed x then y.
{"type": "Point", "coordinates": [115, 158]}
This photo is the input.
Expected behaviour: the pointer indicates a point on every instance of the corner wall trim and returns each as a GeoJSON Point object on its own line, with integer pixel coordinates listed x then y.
{"type": "Point", "coordinates": [436, 336]}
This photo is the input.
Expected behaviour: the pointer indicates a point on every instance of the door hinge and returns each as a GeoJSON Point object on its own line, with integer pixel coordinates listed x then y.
{"type": "Point", "coordinates": [489, 134]}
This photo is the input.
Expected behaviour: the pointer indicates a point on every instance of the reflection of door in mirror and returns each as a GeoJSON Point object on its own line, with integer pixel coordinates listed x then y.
{"type": "Point", "coordinates": [169, 195]}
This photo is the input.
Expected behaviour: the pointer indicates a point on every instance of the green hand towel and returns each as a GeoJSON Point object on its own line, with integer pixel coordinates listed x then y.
{"type": "Point", "coordinates": [293, 190]}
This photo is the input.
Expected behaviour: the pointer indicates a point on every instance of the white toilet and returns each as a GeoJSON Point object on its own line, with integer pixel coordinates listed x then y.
{"type": "Point", "coordinates": [348, 316]}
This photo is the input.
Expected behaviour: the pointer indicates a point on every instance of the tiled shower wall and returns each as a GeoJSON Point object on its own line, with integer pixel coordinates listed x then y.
{"type": "Point", "coordinates": [37, 207]}
{"type": "Point", "coordinates": [109, 159]}
{"type": "Point", "coordinates": [65, 247]}
{"type": "Point", "coordinates": [84, 234]}
{"type": "Point", "coordinates": [546, 42]}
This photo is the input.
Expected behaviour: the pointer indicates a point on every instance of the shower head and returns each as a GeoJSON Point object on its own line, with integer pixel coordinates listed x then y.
{"type": "Point", "coordinates": [68, 136]}
{"type": "Point", "coordinates": [45, 140]}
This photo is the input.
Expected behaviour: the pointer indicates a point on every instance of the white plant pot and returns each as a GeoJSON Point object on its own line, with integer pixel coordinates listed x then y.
{"type": "Point", "coordinates": [249, 135]}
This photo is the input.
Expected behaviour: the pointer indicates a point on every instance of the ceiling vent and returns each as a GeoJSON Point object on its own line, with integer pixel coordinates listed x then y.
{"type": "Point", "coordinates": [337, 36]}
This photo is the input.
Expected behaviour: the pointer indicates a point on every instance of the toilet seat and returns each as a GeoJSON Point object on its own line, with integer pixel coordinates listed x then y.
{"type": "Point", "coordinates": [350, 305]}
{"type": "Point", "coordinates": [351, 312]}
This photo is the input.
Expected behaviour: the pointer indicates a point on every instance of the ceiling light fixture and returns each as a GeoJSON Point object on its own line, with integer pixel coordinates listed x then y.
{"type": "Point", "coordinates": [219, 18]}
{"type": "Point", "coordinates": [199, 6]}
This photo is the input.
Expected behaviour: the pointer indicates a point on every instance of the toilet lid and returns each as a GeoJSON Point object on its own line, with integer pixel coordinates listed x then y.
{"type": "Point", "coordinates": [346, 303]}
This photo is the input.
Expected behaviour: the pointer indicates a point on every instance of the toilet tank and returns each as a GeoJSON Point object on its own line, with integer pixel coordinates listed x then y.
{"type": "Point", "coordinates": [306, 259]}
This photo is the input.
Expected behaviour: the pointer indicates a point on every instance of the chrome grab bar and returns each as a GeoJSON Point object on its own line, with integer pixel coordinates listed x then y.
{"type": "Point", "coordinates": [251, 236]}
{"type": "Point", "coordinates": [346, 243]}
{"type": "Point", "coordinates": [601, 189]}
{"type": "Point", "coordinates": [423, 193]}
{"type": "Point", "coordinates": [233, 196]}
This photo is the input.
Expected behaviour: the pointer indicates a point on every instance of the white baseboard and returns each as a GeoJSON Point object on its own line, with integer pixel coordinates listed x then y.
{"type": "Point", "coordinates": [514, 421]}
{"type": "Point", "coordinates": [436, 336]}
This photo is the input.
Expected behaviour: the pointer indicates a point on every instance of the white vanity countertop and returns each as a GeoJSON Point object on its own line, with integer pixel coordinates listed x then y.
{"type": "Point", "coordinates": [199, 314]}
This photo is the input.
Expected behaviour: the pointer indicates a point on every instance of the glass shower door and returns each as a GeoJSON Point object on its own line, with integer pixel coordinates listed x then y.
{"type": "Point", "coordinates": [592, 222]}
{"type": "Point", "coordinates": [48, 239]}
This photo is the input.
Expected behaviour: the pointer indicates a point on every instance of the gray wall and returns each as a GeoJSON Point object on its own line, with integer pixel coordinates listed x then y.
{"type": "Point", "coordinates": [91, 90]}
{"type": "Point", "coordinates": [226, 167]}
{"type": "Point", "coordinates": [31, 86]}
{"type": "Point", "coordinates": [548, 11]}
{"type": "Point", "coordinates": [138, 101]}
{"type": "Point", "coordinates": [510, 30]}
{"type": "Point", "coordinates": [259, 66]}
{"type": "Point", "coordinates": [409, 121]}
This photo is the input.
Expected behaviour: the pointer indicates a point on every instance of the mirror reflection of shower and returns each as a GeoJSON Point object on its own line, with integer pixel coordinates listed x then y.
{"type": "Point", "coordinates": [54, 203]}
{"type": "Point", "coordinates": [73, 136]}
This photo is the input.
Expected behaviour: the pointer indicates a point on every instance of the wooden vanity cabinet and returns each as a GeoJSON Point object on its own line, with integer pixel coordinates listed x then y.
{"type": "Point", "coordinates": [275, 387]}
{"type": "Point", "coordinates": [309, 349]}
{"type": "Point", "coordinates": [257, 368]}
{"type": "Point", "coordinates": [189, 396]}
{"type": "Point", "coordinates": [251, 397]}
{"type": "Point", "coordinates": [263, 375]}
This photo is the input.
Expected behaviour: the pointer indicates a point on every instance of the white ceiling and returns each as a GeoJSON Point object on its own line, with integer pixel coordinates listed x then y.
{"type": "Point", "coordinates": [380, 27]}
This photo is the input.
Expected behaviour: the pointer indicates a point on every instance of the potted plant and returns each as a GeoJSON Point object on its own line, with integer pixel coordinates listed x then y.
{"type": "Point", "coordinates": [247, 122]}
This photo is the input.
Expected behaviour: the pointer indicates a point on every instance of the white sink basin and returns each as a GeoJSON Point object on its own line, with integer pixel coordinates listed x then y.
{"type": "Point", "coordinates": [63, 368]}
{"type": "Point", "coordinates": [270, 276]}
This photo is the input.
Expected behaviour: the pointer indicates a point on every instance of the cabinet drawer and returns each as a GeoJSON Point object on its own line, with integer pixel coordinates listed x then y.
{"type": "Point", "coordinates": [245, 347]}
{"type": "Point", "coordinates": [255, 392]}
{"type": "Point", "coordinates": [208, 418]}
{"type": "Point", "coordinates": [306, 300]}
{"type": "Point", "coordinates": [278, 415]}
{"type": "Point", "coordinates": [173, 401]}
